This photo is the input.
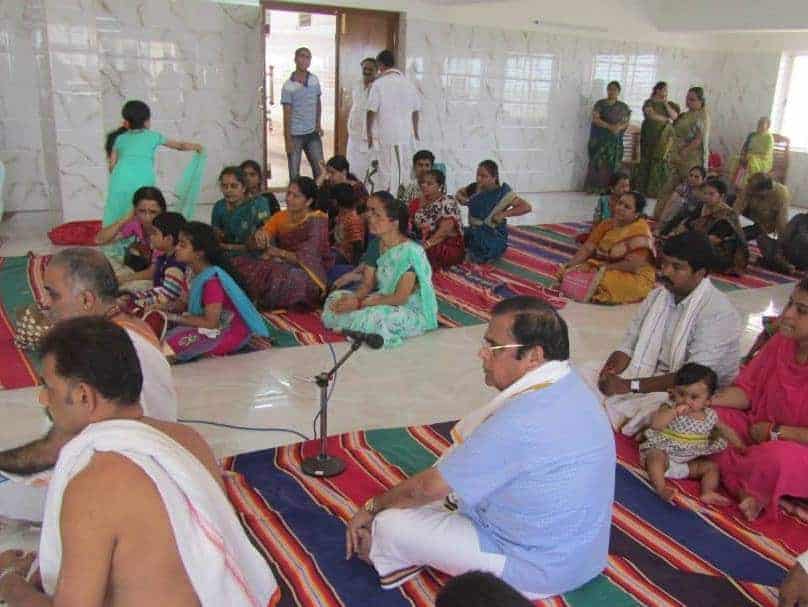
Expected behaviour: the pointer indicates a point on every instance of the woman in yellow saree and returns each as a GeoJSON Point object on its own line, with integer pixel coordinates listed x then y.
{"type": "Point", "coordinates": [615, 265]}
{"type": "Point", "coordinates": [757, 154]}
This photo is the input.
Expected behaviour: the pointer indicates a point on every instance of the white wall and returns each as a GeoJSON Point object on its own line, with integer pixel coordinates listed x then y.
{"type": "Point", "coordinates": [197, 64]}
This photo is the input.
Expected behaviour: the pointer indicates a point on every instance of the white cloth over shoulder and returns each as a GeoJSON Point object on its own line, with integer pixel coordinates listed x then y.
{"type": "Point", "coordinates": [158, 396]}
{"type": "Point", "coordinates": [647, 352]}
{"type": "Point", "coordinates": [223, 566]}
{"type": "Point", "coordinates": [548, 373]}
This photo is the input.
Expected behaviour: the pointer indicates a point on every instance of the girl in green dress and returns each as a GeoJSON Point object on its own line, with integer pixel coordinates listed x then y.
{"type": "Point", "coordinates": [656, 137]}
{"type": "Point", "coordinates": [399, 302]}
{"type": "Point", "coordinates": [130, 153]}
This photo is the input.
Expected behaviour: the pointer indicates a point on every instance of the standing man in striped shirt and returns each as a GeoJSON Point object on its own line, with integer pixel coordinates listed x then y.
{"type": "Point", "coordinates": [302, 113]}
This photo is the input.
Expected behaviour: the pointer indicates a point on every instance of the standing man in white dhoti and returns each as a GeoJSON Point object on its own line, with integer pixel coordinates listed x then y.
{"type": "Point", "coordinates": [394, 107]}
{"type": "Point", "coordinates": [526, 490]}
{"type": "Point", "coordinates": [81, 282]}
{"type": "Point", "coordinates": [686, 320]}
{"type": "Point", "coordinates": [358, 153]}
{"type": "Point", "coordinates": [136, 512]}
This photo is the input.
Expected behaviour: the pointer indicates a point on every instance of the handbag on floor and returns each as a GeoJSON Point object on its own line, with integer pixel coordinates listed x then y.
{"type": "Point", "coordinates": [580, 285]}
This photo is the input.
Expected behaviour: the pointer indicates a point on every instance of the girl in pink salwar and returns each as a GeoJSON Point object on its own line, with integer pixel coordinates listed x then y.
{"type": "Point", "coordinates": [767, 407]}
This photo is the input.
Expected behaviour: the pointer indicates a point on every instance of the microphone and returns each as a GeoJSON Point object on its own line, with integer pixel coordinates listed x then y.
{"type": "Point", "coordinates": [373, 341]}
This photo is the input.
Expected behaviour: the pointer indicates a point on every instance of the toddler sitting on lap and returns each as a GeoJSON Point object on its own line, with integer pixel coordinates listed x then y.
{"type": "Point", "coordinates": [682, 435]}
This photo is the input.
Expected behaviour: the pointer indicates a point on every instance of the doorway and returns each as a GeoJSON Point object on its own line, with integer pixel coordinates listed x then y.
{"type": "Point", "coordinates": [338, 39]}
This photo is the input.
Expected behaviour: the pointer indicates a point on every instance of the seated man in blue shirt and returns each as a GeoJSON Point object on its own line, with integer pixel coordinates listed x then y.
{"type": "Point", "coordinates": [526, 490]}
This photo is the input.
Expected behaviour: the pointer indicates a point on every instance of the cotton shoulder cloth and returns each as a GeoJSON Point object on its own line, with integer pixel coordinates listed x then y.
{"type": "Point", "coordinates": [546, 375]}
{"type": "Point", "coordinates": [222, 565]}
{"type": "Point", "coordinates": [647, 352]}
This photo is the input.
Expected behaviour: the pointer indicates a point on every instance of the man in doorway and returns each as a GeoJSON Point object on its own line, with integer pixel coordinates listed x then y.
{"type": "Point", "coordinates": [136, 510]}
{"type": "Point", "coordinates": [526, 490]}
{"type": "Point", "coordinates": [686, 320]}
{"type": "Point", "coordinates": [302, 116]}
{"type": "Point", "coordinates": [358, 153]}
{"type": "Point", "coordinates": [392, 122]}
{"type": "Point", "coordinates": [81, 282]}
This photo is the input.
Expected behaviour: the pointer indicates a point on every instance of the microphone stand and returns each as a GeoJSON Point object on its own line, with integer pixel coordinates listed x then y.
{"type": "Point", "coordinates": [325, 465]}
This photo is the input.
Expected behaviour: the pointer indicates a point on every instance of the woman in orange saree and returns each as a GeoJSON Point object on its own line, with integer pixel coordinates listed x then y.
{"type": "Point", "coordinates": [615, 264]}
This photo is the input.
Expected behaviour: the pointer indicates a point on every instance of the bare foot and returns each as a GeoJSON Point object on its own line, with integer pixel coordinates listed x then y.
{"type": "Point", "coordinates": [750, 508]}
{"type": "Point", "coordinates": [363, 548]}
{"type": "Point", "coordinates": [715, 499]}
{"type": "Point", "coordinates": [666, 493]}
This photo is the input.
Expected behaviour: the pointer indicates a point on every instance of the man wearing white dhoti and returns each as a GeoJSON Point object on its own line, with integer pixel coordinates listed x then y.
{"type": "Point", "coordinates": [394, 107]}
{"type": "Point", "coordinates": [136, 513]}
{"type": "Point", "coordinates": [687, 320]}
{"type": "Point", "coordinates": [358, 153]}
{"type": "Point", "coordinates": [526, 490]}
{"type": "Point", "coordinates": [81, 282]}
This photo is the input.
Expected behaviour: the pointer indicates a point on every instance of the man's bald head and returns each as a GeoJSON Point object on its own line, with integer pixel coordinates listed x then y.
{"type": "Point", "coordinates": [79, 282]}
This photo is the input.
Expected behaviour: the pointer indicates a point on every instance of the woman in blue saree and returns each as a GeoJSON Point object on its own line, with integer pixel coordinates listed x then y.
{"type": "Point", "coordinates": [237, 216]}
{"type": "Point", "coordinates": [490, 203]}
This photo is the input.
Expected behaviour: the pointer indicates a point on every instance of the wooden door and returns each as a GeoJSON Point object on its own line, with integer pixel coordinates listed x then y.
{"type": "Point", "coordinates": [360, 34]}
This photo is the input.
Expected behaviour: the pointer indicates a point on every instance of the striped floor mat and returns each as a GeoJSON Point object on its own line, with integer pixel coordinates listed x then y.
{"type": "Point", "coordinates": [660, 555]}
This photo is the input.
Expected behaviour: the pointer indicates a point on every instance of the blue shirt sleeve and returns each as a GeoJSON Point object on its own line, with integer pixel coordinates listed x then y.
{"type": "Point", "coordinates": [489, 459]}
{"type": "Point", "coordinates": [159, 139]}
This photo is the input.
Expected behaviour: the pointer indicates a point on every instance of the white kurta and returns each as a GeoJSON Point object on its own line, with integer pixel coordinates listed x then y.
{"type": "Point", "coordinates": [393, 98]}
{"type": "Point", "coordinates": [358, 154]}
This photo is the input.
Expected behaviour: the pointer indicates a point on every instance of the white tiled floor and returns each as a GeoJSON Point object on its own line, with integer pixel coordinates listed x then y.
{"type": "Point", "coordinates": [432, 378]}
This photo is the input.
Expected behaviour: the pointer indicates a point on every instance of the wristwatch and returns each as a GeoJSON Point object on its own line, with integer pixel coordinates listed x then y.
{"type": "Point", "coordinates": [634, 386]}
{"type": "Point", "coordinates": [370, 506]}
{"type": "Point", "coordinates": [774, 433]}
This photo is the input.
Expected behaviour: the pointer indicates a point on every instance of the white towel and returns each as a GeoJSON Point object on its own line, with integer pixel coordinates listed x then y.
{"type": "Point", "coordinates": [548, 373]}
{"type": "Point", "coordinates": [647, 352]}
{"type": "Point", "coordinates": [223, 566]}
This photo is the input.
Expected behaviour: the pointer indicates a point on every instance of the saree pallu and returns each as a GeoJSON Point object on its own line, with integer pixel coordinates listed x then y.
{"type": "Point", "coordinates": [656, 139]}
{"type": "Point", "coordinates": [605, 148]}
{"type": "Point", "coordinates": [759, 153]}
{"type": "Point", "coordinates": [613, 244]}
{"type": "Point", "coordinates": [486, 241]}
{"type": "Point", "coordinates": [274, 283]}
{"type": "Point", "coordinates": [777, 388]}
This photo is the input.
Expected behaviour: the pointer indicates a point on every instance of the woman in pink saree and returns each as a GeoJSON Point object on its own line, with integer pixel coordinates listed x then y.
{"type": "Point", "coordinates": [767, 407]}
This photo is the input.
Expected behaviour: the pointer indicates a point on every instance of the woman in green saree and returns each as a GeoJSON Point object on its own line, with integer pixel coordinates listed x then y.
{"type": "Point", "coordinates": [610, 118]}
{"type": "Point", "coordinates": [656, 137]}
{"type": "Point", "coordinates": [237, 216]}
{"type": "Point", "coordinates": [691, 145]}
{"type": "Point", "coordinates": [400, 301]}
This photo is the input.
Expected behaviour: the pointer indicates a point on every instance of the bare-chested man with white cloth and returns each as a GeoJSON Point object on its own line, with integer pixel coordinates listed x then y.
{"type": "Point", "coordinates": [136, 513]}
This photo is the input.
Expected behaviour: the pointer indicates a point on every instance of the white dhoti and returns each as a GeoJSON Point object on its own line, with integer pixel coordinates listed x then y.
{"type": "Point", "coordinates": [395, 164]}
{"type": "Point", "coordinates": [359, 156]}
{"type": "Point", "coordinates": [406, 540]}
{"type": "Point", "coordinates": [21, 501]}
{"type": "Point", "coordinates": [223, 567]}
{"type": "Point", "coordinates": [628, 413]}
